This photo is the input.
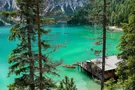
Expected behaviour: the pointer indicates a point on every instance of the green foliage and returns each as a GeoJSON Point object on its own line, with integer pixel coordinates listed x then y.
{"type": "Point", "coordinates": [23, 60]}
{"type": "Point", "coordinates": [67, 84]}
{"type": "Point", "coordinates": [117, 13]}
{"type": "Point", "coordinates": [97, 52]}
{"type": "Point", "coordinates": [98, 43]}
{"type": "Point", "coordinates": [111, 85]}
{"type": "Point", "coordinates": [126, 68]}
{"type": "Point", "coordinates": [80, 17]}
{"type": "Point", "coordinates": [46, 21]}
{"type": "Point", "coordinates": [9, 16]}
{"type": "Point", "coordinates": [9, 13]}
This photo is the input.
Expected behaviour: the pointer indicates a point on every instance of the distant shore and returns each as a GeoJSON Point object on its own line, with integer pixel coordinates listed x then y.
{"type": "Point", "coordinates": [114, 28]}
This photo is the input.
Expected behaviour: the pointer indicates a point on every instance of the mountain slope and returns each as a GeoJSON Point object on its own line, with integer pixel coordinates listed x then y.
{"type": "Point", "coordinates": [67, 6]}
{"type": "Point", "coordinates": [7, 5]}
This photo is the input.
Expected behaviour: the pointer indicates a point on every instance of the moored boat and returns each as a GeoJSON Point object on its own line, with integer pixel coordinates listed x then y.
{"type": "Point", "coordinates": [69, 66]}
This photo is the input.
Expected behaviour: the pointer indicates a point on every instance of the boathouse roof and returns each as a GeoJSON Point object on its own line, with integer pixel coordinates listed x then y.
{"type": "Point", "coordinates": [110, 64]}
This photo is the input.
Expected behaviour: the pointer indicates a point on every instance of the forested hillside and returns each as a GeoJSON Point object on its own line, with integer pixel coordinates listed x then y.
{"type": "Point", "coordinates": [117, 12]}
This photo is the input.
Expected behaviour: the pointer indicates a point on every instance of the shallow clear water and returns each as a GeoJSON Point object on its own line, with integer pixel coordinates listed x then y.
{"type": "Point", "coordinates": [78, 41]}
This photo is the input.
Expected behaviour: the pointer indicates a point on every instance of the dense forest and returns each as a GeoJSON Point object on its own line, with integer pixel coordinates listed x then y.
{"type": "Point", "coordinates": [117, 12]}
{"type": "Point", "coordinates": [126, 68]}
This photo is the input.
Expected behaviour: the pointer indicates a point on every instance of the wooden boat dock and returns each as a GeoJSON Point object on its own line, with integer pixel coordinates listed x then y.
{"type": "Point", "coordinates": [94, 67]}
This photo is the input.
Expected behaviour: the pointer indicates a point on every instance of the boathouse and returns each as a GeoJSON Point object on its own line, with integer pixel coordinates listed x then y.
{"type": "Point", "coordinates": [94, 67]}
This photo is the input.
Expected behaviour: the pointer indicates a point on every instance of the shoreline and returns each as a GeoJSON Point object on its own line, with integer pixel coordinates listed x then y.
{"type": "Point", "coordinates": [114, 28]}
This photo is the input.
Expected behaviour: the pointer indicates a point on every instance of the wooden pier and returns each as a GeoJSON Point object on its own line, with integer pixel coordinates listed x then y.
{"type": "Point", "coordinates": [94, 67]}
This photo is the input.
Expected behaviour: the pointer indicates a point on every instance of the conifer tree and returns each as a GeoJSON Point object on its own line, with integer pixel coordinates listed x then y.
{"type": "Point", "coordinates": [67, 84]}
{"type": "Point", "coordinates": [126, 68]}
{"type": "Point", "coordinates": [24, 59]}
{"type": "Point", "coordinates": [24, 31]}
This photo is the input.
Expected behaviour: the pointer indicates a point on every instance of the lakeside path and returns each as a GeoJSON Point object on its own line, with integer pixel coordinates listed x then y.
{"type": "Point", "coordinates": [114, 28]}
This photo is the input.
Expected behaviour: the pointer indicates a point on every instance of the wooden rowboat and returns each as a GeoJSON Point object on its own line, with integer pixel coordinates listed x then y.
{"type": "Point", "coordinates": [69, 66]}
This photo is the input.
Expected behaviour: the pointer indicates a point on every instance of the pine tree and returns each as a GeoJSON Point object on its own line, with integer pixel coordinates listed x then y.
{"type": "Point", "coordinates": [21, 57]}
{"type": "Point", "coordinates": [67, 84]}
{"type": "Point", "coordinates": [126, 68]}
{"type": "Point", "coordinates": [27, 59]}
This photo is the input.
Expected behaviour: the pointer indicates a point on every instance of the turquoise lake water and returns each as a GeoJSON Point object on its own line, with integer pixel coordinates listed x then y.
{"type": "Point", "coordinates": [78, 41]}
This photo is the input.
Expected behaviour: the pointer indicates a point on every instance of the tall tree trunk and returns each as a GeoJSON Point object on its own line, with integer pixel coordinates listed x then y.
{"type": "Point", "coordinates": [104, 45]}
{"type": "Point", "coordinates": [39, 45]}
{"type": "Point", "coordinates": [32, 86]}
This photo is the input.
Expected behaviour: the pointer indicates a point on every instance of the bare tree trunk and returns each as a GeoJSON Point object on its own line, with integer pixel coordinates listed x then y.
{"type": "Point", "coordinates": [39, 45]}
{"type": "Point", "coordinates": [104, 45]}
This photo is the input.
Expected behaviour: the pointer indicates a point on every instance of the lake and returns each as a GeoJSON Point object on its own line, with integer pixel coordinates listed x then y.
{"type": "Point", "coordinates": [77, 41]}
